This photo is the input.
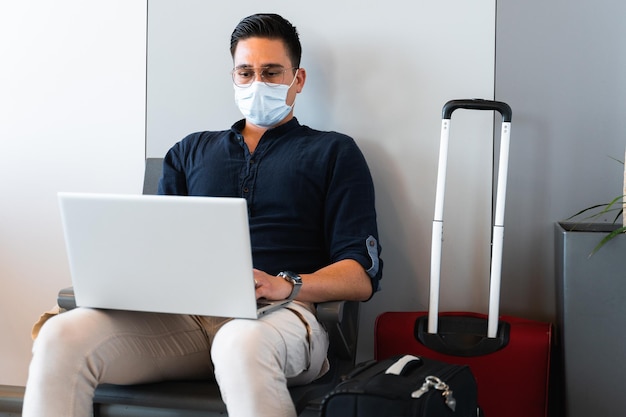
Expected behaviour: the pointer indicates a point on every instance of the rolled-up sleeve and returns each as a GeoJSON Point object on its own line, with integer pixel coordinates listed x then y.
{"type": "Point", "coordinates": [351, 227]}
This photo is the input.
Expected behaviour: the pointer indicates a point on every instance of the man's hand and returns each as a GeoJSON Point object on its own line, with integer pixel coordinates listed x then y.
{"type": "Point", "coordinates": [271, 287]}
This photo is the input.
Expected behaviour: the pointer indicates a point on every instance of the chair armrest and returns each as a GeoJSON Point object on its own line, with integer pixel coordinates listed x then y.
{"type": "Point", "coordinates": [65, 298]}
{"type": "Point", "coordinates": [341, 320]}
{"type": "Point", "coordinates": [330, 311]}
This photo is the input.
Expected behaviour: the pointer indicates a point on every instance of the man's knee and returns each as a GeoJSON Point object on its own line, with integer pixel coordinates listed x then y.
{"type": "Point", "coordinates": [245, 341]}
{"type": "Point", "coordinates": [62, 330]}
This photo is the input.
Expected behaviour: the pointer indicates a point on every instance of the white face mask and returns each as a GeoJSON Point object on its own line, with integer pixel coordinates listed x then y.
{"type": "Point", "coordinates": [263, 105]}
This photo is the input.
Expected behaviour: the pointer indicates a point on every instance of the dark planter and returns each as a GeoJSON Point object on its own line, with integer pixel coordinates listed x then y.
{"type": "Point", "coordinates": [591, 304]}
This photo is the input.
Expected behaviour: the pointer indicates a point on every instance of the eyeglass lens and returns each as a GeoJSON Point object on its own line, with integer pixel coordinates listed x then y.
{"type": "Point", "coordinates": [245, 76]}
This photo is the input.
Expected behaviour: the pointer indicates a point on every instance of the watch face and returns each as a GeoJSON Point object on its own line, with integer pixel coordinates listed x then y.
{"type": "Point", "coordinates": [292, 276]}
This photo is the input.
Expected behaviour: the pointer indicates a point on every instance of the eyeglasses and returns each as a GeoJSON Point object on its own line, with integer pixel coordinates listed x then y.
{"type": "Point", "coordinates": [272, 75]}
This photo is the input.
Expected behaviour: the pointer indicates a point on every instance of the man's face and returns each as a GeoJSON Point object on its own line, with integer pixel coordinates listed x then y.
{"type": "Point", "coordinates": [258, 53]}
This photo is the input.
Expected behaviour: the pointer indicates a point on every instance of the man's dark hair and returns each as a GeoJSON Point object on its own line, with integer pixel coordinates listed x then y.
{"type": "Point", "coordinates": [270, 26]}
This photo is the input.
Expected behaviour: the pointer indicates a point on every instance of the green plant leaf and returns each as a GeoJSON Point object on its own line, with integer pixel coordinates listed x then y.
{"type": "Point", "coordinates": [608, 237]}
{"type": "Point", "coordinates": [606, 208]}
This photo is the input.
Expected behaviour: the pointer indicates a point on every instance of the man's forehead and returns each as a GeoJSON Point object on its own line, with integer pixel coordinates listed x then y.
{"type": "Point", "coordinates": [260, 52]}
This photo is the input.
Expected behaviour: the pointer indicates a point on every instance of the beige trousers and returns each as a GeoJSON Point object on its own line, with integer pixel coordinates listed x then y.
{"type": "Point", "coordinates": [254, 361]}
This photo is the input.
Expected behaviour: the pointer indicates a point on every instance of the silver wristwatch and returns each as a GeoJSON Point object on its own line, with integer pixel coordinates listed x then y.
{"type": "Point", "coordinates": [294, 279]}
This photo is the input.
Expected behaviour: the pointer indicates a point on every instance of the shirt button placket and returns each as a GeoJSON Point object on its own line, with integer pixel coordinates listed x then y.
{"type": "Point", "coordinates": [250, 177]}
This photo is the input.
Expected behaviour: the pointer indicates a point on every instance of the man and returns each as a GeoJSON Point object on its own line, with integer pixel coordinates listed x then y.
{"type": "Point", "coordinates": [311, 210]}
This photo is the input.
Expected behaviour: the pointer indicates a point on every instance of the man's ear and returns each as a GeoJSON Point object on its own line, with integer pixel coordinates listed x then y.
{"type": "Point", "coordinates": [300, 79]}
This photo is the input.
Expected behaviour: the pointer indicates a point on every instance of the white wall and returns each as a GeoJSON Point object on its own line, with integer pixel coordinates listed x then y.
{"type": "Point", "coordinates": [72, 94]}
{"type": "Point", "coordinates": [380, 72]}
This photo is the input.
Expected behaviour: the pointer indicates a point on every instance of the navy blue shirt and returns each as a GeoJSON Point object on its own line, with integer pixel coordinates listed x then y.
{"type": "Point", "coordinates": [310, 193]}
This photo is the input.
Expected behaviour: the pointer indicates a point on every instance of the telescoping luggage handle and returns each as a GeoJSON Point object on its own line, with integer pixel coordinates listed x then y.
{"type": "Point", "coordinates": [498, 226]}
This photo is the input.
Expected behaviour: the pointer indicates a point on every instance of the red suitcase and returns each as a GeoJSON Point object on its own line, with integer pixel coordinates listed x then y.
{"type": "Point", "coordinates": [509, 356]}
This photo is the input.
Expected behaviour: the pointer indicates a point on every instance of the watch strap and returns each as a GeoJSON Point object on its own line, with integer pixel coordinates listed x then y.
{"type": "Point", "coordinates": [295, 280]}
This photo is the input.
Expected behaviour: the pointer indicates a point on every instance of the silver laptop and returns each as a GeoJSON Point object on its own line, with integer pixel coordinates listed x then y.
{"type": "Point", "coordinates": [166, 254]}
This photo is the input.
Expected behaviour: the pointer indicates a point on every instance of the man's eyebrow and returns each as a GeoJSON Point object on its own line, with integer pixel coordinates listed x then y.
{"type": "Point", "coordinates": [248, 66]}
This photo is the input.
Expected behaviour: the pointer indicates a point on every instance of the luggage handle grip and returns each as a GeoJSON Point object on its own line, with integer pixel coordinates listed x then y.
{"type": "Point", "coordinates": [478, 104]}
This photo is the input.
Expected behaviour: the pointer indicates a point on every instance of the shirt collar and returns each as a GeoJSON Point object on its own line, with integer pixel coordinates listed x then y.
{"type": "Point", "coordinates": [270, 133]}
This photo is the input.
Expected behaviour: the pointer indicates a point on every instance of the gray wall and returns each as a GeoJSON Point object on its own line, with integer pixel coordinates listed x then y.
{"type": "Point", "coordinates": [561, 65]}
